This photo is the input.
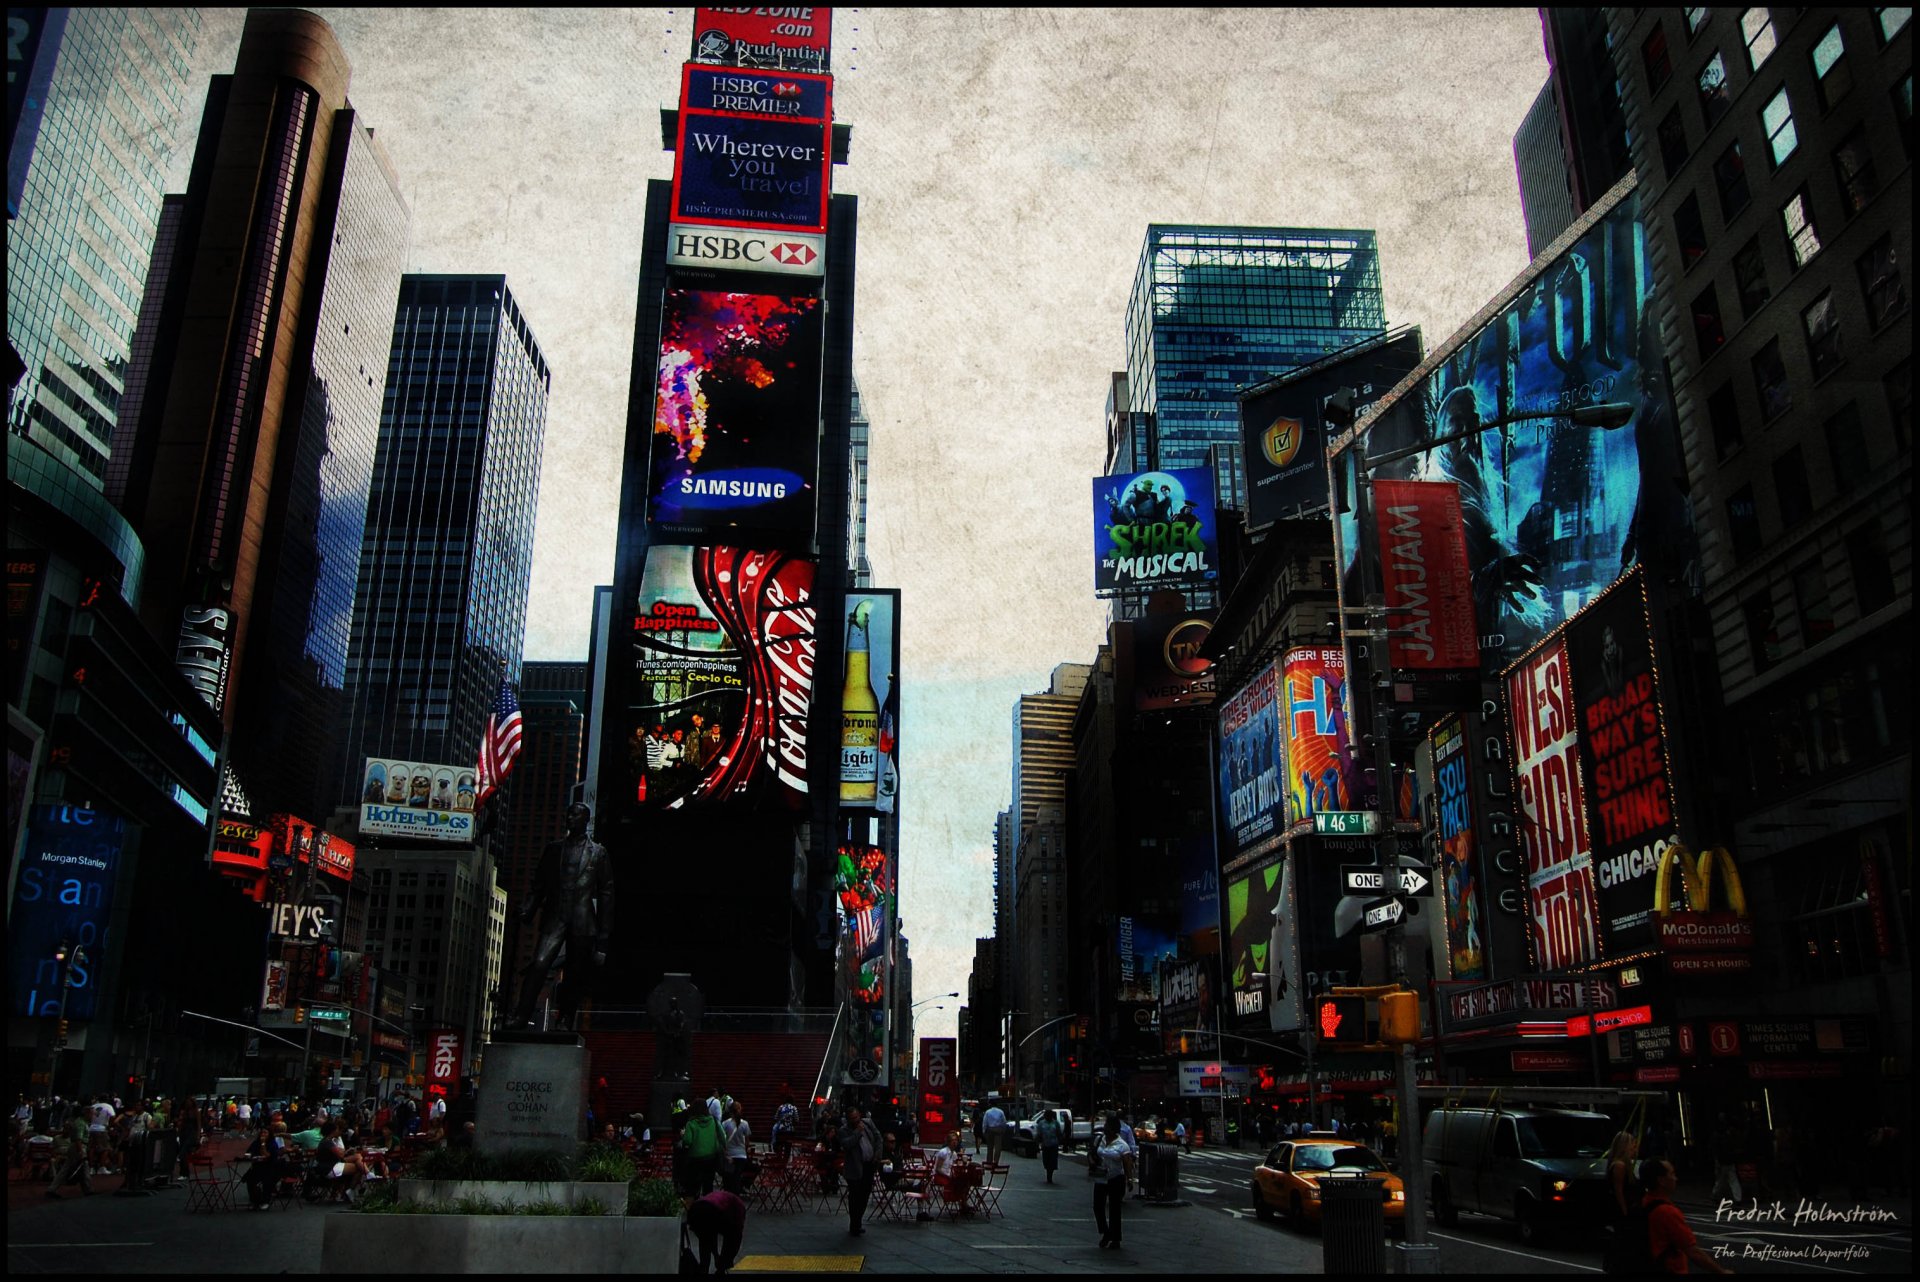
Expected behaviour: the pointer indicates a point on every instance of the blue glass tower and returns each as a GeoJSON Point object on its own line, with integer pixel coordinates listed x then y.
{"type": "Point", "coordinates": [1217, 309]}
{"type": "Point", "coordinates": [77, 253]}
{"type": "Point", "coordinates": [440, 609]}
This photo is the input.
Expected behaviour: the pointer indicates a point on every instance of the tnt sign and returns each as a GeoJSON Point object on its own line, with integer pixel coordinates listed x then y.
{"type": "Point", "coordinates": [443, 1060]}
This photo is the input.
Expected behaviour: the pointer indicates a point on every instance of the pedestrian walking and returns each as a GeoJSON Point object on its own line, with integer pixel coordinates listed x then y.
{"type": "Point", "coordinates": [1111, 1163]}
{"type": "Point", "coordinates": [786, 1119]}
{"type": "Point", "coordinates": [1671, 1246]}
{"type": "Point", "coordinates": [735, 1134]}
{"type": "Point", "coordinates": [859, 1147]}
{"type": "Point", "coordinates": [993, 1129]}
{"type": "Point", "coordinates": [703, 1144]}
{"type": "Point", "coordinates": [71, 1157]}
{"type": "Point", "coordinates": [1048, 1133]}
{"type": "Point", "coordinates": [1624, 1196]}
{"type": "Point", "coordinates": [718, 1222]}
{"type": "Point", "coordinates": [1726, 1155]}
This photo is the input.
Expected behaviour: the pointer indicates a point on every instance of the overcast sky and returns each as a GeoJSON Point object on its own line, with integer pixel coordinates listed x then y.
{"type": "Point", "coordinates": [1007, 163]}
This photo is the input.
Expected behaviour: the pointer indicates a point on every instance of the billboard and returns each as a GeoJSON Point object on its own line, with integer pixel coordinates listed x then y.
{"type": "Point", "coordinates": [62, 895]}
{"type": "Point", "coordinates": [1623, 758]}
{"type": "Point", "coordinates": [1283, 428]}
{"type": "Point", "coordinates": [771, 95]}
{"type": "Point", "coordinates": [864, 890]}
{"type": "Point", "coordinates": [1456, 838]}
{"type": "Point", "coordinates": [721, 683]}
{"type": "Point", "coordinates": [1187, 988]}
{"type": "Point", "coordinates": [1146, 946]}
{"type": "Point", "coordinates": [786, 253]}
{"type": "Point", "coordinates": [1253, 902]}
{"type": "Point", "coordinates": [870, 702]}
{"type": "Point", "coordinates": [1320, 768]}
{"type": "Point", "coordinates": [1423, 570]}
{"type": "Point", "coordinates": [748, 171]}
{"type": "Point", "coordinates": [416, 799]}
{"type": "Point", "coordinates": [444, 1062]}
{"type": "Point", "coordinates": [939, 1087]}
{"type": "Point", "coordinates": [1154, 530]}
{"type": "Point", "coordinates": [1553, 814]}
{"type": "Point", "coordinates": [794, 39]}
{"type": "Point", "coordinates": [1168, 671]}
{"type": "Point", "coordinates": [736, 413]}
{"type": "Point", "coordinates": [1553, 511]}
{"type": "Point", "coordinates": [1252, 767]}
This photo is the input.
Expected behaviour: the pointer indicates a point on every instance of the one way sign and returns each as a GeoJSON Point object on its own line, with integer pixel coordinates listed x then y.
{"type": "Point", "coordinates": [1361, 879]}
{"type": "Point", "coordinates": [1384, 914]}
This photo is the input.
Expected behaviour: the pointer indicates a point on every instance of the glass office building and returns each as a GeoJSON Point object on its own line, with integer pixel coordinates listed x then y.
{"type": "Point", "coordinates": [77, 253]}
{"type": "Point", "coordinates": [1217, 309]}
{"type": "Point", "coordinates": [440, 609]}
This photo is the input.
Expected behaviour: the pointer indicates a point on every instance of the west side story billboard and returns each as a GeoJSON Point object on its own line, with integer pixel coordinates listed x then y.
{"type": "Point", "coordinates": [1552, 512]}
{"type": "Point", "coordinates": [1154, 530]}
{"type": "Point", "coordinates": [1553, 812]}
{"type": "Point", "coordinates": [736, 420]}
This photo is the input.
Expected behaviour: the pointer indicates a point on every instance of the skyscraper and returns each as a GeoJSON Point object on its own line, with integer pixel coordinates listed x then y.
{"type": "Point", "coordinates": [553, 704]}
{"type": "Point", "coordinates": [1546, 190]}
{"type": "Point", "coordinates": [77, 253]}
{"type": "Point", "coordinates": [249, 465]}
{"type": "Point", "coordinates": [1217, 309]}
{"type": "Point", "coordinates": [439, 613]}
{"type": "Point", "coordinates": [860, 434]}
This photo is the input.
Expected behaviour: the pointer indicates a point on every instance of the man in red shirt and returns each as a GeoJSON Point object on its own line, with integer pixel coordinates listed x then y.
{"type": "Point", "coordinates": [1670, 1239]}
{"type": "Point", "coordinates": [718, 1222]}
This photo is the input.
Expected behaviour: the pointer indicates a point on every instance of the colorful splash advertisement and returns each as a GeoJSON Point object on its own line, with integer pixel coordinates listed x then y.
{"type": "Point", "coordinates": [1253, 898]}
{"type": "Point", "coordinates": [722, 681]}
{"type": "Point", "coordinates": [1631, 813]}
{"type": "Point", "coordinates": [1154, 530]}
{"type": "Point", "coordinates": [736, 413]}
{"type": "Point", "coordinates": [1320, 769]}
{"type": "Point", "coordinates": [864, 893]}
{"type": "Point", "coordinates": [1553, 813]}
{"type": "Point", "coordinates": [1552, 511]}
{"type": "Point", "coordinates": [1252, 766]}
{"type": "Point", "coordinates": [1459, 862]}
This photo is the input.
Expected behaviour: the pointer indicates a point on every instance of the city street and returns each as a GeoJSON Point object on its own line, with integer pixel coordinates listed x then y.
{"type": "Point", "coordinates": [1044, 1229]}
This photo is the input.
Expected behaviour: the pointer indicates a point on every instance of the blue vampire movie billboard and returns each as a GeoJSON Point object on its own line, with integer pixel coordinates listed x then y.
{"type": "Point", "coordinates": [1554, 511]}
{"type": "Point", "coordinates": [1154, 530]}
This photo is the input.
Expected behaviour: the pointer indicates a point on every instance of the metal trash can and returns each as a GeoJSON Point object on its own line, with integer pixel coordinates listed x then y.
{"type": "Point", "coordinates": [1160, 1176]}
{"type": "Point", "coordinates": [1353, 1223]}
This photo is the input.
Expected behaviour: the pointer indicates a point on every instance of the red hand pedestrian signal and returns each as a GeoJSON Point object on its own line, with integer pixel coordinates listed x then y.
{"type": "Point", "coordinates": [1341, 1019]}
{"type": "Point", "coordinates": [1329, 1019]}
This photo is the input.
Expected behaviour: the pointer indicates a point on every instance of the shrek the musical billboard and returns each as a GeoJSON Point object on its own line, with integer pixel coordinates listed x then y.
{"type": "Point", "coordinates": [1154, 530]}
{"type": "Point", "coordinates": [1553, 511]}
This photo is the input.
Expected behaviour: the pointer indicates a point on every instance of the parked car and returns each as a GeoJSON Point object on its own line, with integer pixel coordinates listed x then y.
{"type": "Point", "coordinates": [1540, 1168]}
{"type": "Point", "coordinates": [1026, 1132]}
{"type": "Point", "coordinates": [1289, 1179]}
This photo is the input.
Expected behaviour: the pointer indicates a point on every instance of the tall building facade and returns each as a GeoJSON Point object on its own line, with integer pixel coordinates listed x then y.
{"type": "Point", "coordinates": [79, 248]}
{"type": "Point", "coordinates": [1546, 190]}
{"type": "Point", "coordinates": [1217, 309]}
{"type": "Point", "coordinates": [1042, 744]}
{"type": "Point", "coordinates": [250, 463]}
{"type": "Point", "coordinates": [439, 611]}
{"type": "Point", "coordinates": [1774, 152]}
{"type": "Point", "coordinates": [553, 705]}
{"type": "Point", "coordinates": [859, 440]}
{"type": "Point", "coordinates": [438, 919]}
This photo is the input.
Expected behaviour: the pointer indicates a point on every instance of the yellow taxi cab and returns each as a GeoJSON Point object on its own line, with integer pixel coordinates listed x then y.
{"type": "Point", "coordinates": [1289, 1180]}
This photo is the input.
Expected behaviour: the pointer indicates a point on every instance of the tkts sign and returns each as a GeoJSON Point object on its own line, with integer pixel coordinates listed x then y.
{"type": "Point", "coordinates": [939, 1087]}
{"type": "Point", "coordinates": [443, 1061]}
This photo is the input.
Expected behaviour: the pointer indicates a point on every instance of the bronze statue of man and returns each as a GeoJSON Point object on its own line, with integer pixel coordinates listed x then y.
{"type": "Point", "coordinates": [573, 891]}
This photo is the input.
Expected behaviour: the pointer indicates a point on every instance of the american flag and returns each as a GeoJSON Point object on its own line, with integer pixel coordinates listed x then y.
{"type": "Point", "coordinates": [867, 925]}
{"type": "Point", "coordinates": [501, 745]}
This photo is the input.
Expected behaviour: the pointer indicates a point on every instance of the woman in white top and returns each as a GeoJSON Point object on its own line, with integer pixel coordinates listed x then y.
{"type": "Point", "coordinates": [1109, 1181]}
{"type": "Point", "coordinates": [736, 1134]}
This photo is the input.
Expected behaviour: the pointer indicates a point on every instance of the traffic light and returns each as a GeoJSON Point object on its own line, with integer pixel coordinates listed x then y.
{"type": "Point", "coordinates": [1340, 1019]}
{"type": "Point", "coordinates": [60, 1034]}
{"type": "Point", "coordinates": [1399, 1017]}
{"type": "Point", "coordinates": [299, 1014]}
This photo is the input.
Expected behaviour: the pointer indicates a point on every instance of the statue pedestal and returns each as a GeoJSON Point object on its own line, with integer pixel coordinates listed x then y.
{"type": "Point", "coordinates": [660, 1103]}
{"type": "Point", "coordinates": [535, 1094]}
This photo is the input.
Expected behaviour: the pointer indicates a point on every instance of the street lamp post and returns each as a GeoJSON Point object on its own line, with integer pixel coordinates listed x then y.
{"type": "Point", "coordinates": [69, 957]}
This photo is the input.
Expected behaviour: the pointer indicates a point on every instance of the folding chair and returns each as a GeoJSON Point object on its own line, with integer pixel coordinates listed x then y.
{"type": "Point", "coordinates": [208, 1188]}
{"type": "Point", "coordinates": [954, 1191]}
{"type": "Point", "coordinates": [985, 1195]}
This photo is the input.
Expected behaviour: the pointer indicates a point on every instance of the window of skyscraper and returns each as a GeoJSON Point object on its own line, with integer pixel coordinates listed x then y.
{"type": "Point", "coordinates": [1691, 232]}
{"type": "Point", "coordinates": [1777, 118]}
{"type": "Point", "coordinates": [1730, 173]}
{"type": "Point", "coordinates": [1723, 416]}
{"type": "Point", "coordinates": [1892, 21]}
{"type": "Point", "coordinates": [1757, 26]}
{"type": "Point", "coordinates": [1673, 143]}
{"type": "Point", "coordinates": [1853, 168]}
{"type": "Point", "coordinates": [1830, 67]}
{"type": "Point", "coordinates": [1653, 53]}
{"type": "Point", "coordinates": [1797, 218]}
{"type": "Point", "coordinates": [1822, 323]}
{"type": "Point", "coordinates": [1696, 19]}
{"type": "Point", "coordinates": [1881, 283]}
{"type": "Point", "coordinates": [1763, 631]}
{"type": "Point", "coordinates": [1770, 381]}
{"type": "Point", "coordinates": [1743, 522]}
{"type": "Point", "coordinates": [1846, 448]}
{"type": "Point", "coordinates": [1750, 277]}
{"type": "Point", "coordinates": [1903, 111]}
{"type": "Point", "coordinates": [1715, 93]}
{"type": "Point", "coordinates": [1790, 486]}
{"type": "Point", "coordinates": [1708, 331]}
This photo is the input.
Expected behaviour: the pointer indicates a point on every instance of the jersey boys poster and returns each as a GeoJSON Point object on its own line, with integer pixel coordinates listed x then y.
{"type": "Point", "coordinates": [736, 417]}
{"type": "Point", "coordinates": [723, 653]}
{"type": "Point", "coordinates": [1253, 772]}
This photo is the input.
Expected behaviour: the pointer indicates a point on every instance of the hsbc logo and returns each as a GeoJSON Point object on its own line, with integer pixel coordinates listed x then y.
{"type": "Point", "coordinates": [789, 253]}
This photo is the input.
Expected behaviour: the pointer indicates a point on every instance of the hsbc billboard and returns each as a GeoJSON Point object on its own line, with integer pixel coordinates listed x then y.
{"type": "Point", "coordinates": [783, 252]}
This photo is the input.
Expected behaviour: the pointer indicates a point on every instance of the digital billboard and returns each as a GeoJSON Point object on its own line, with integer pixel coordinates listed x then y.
{"type": "Point", "coordinates": [746, 171]}
{"type": "Point", "coordinates": [1283, 426]}
{"type": "Point", "coordinates": [1187, 1004]}
{"type": "Point", "coordinates": [736, 418]}
{"type": "Point", "coordinates": [870, 702]}
{"type": "Point", "coordinates": [1553, 814]}
{"type": "Point", "coordinates": [1253, 899]}
{"type": "Point", "coordinates": [864, 892]}
{"type": "Point", "coordinates": [416, 799]}
{"type": "Point", "coordinates": [939, 1107]}
{"type": "Point", "coordinates": [1168, 670]}
{"type": "Point", "coordinates": [1154, 530]}
{"type": "Point", "coordinates": [1423, 572]}
{"type": "Point", "coordinates": [721, 682]}
{"type": "Point", "coordinates": [794, 39]}
{"type": "Point", "coordinates": [776, 95]}
{"type": "Point", "coordinates": [1552, 511]}
{"type": "Point", "coordinates": [1319, 756]}
{"type": "Point", "coordinates": [1459, 861]}
{"type": "Point", "coordinates": [1631, 814]}
{"type": "Point", "coordinates": [62, 896]}
{"type": "Point", "coordinates": [1252, 766]}
{"type": "Point", "coordinates": [1146, 945]}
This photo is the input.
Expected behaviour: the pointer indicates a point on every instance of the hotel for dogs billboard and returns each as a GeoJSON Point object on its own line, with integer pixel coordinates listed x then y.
{"type": "Point", "coordinates": [1552, 511]}
{"type": "Point", "coordinates": [771, 38]}
{"type": "Point", "coordinates": [721, 684]}
{"type": "Point", "coordinates": [736, 418]}
{"type": "Point", "coordinates": [1154, 530]}
{"type": "Point", "coordinates": [416, 799]}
